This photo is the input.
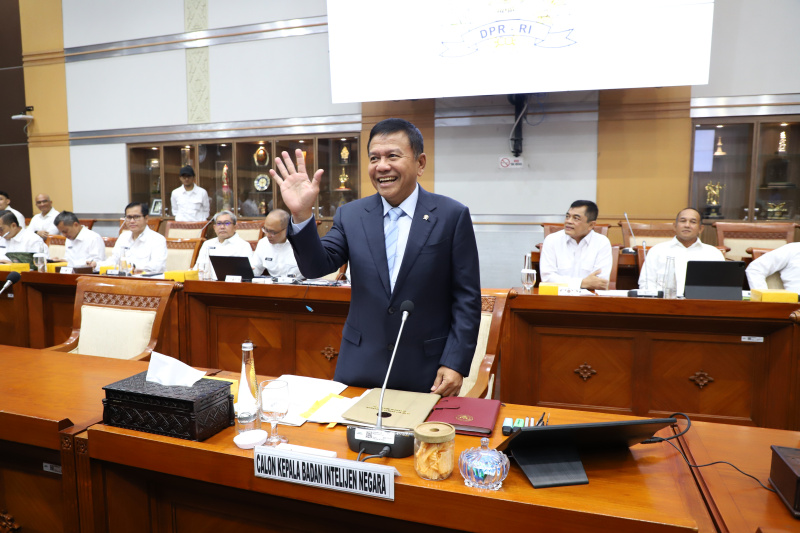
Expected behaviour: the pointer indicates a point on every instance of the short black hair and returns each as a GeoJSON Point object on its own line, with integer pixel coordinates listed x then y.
{"type": "Point", "coordinates": [67, 217]}
{"type": "Point", "coordinates": [591, 209]}
{"type": "Point", "coordinates": [700, 215]}
{"type": "Point", "coordinates": [4, 193]}
{"type": "Point", "coordinates": [7, 217]}
{"type": "Point", "coordinates": [143, 205]}
{"type": "Point", "coordinates": [394, 125]}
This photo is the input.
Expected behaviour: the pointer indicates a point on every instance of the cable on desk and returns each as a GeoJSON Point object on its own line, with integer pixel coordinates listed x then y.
{"type": "Point", "coordinates": [654, 440]}
{"type": "Point", "coordinates": [384, 452]}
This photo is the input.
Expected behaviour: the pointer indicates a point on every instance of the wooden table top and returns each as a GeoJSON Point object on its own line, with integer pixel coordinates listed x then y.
{"type": "Point", "coordinates": [45, 392]}
{"type": "Point", "coordinates": [646, 489]}
{"type": "Point", "coordinates": [739, 503]}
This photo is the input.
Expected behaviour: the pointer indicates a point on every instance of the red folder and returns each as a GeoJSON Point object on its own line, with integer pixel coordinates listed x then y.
{"type": "Point", "coordinates": [470, 416]}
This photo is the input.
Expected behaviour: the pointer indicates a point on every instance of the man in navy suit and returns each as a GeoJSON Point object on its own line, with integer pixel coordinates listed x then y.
{"type": "Point", "coordinates": [435, 266]}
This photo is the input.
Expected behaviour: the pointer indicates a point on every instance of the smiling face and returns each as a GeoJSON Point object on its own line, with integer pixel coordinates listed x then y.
{"type": "Point", "coordinates": [688, 226]}
{"type": "Point", "coordinates": [44, 203]}
{"type": "Point", "coordinates": [393, 168]}
{"type": "Point", "coordinates": [576, 223]}
{"type": "Point", "coordinates": [8, 231]}
{"type": "Point", "coordinates": [135, 221]}
{"type": "Point", "coordinates": [225, 227]}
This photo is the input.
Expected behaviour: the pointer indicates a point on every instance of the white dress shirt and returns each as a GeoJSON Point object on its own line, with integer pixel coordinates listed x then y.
{"type": "Point", "coordinates": [656, 262]}
{"type": "Point", "coordinates": [277, 259]}
{"type": "Point", "coordinates": [87, 246]}
{"type": "Point", "coordinates": [20, 218]}
{"type": "Point", "coordinates": [785, 260]}
{"type": "Point", "coordinates": [23, 241]}
{"type": "Point", "coordinates": [232, 247]}
{"type": "Point", "coordinates": [190, 206]}
{"type": "Point", "coordinates": [42, 222]}
{"type": "Point", "coordinates": [148, 252]}
{"type": "Point", "coordinates": [563, 260]}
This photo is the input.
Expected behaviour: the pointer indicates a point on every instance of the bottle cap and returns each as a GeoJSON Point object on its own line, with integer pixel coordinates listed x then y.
{"type": "Point", "coordinates": [247, 346]}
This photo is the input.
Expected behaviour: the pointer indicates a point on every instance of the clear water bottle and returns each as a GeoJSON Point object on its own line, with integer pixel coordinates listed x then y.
{"type": "Point", "coordinates": [670, 280]}
{"type": "Point", "coordinates": [247, 399]}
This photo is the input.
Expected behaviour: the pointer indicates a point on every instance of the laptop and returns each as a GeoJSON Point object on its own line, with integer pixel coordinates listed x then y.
{"type": "Point", "coordinates": [231, 266]}
{"type": "Point", "coordinates": [714, 280]}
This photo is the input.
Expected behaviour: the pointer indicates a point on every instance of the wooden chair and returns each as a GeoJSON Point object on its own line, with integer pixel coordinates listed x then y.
{"type": "Point", "coordinates": [549, 228]}
{"type": "Point", "coordinates": [109, 242]}
{"type": "Point", "coordinates": [182, 253]}
{"type": "Point", "coordinates": [119, 318]}
{"type": "Point", "coordinates": [253, 244]}
{"type": "Point", "coordinates": [654, 233]}
{"type": "Point", "coordinates": [774, 281]}
{"type": "Point", "coordinates": [480, 381]}
{"type": "Point", "coordinates": [736, 237]}
{"type": "Point", "coordinates": [186, 230]}
{"type": "Point", "coordinates": [152, 222]}
{"type": "Point", "coordinates": [88, 222]}
{"type": "Point", "coordinates": [57, 245]}
{"type": "Point", "coordinates": [612, 278]}
{"type": "Point", "coordinates": [250, 230]}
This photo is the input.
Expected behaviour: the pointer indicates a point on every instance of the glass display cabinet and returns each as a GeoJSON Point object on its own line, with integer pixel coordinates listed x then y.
{"type": "Point", "coordinates": [236, 173]}
{"type": "Point", "coordinates": [746, 168]}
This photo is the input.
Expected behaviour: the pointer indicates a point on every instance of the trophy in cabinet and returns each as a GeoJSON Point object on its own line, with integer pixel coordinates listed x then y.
{"type": "Point", "coordinates": [344, 155]}
{"type": "Point", "coordinates": [777, 211]}
{"type": "Point", "coordinates": [713, 200]}
{"type": "Point", "coordinates": [342, 180]}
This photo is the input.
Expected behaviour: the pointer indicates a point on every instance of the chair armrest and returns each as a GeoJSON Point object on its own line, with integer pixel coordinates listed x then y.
{"type": "Point", "coordinates": [67, 346]}
{"type": "Point", "coordinates": [484, 374]}
{"type": "Point", "coordinates": [723, 249]}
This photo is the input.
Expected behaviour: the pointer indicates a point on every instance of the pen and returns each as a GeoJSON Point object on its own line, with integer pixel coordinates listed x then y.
{"type": "Point", "coordinates": [540, 422]}
{"type": "Point", "coordinates": [527, 422]}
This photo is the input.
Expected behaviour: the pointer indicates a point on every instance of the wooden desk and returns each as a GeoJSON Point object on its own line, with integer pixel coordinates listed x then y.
{"type": "Point", "coordinates": [627, 269]}
{"type": "Point", "coordinates": [737, 502]}
{"type": "Point", "coordinates": [280, 320]}
{"type": "Point", "coordinates": [46, 399]}
{"type": "Point", "coordinates": [192, 485]}
{"type": "Point", "coordinates": [652, 357]}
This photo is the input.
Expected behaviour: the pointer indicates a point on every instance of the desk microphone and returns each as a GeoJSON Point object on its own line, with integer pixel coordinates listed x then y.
{"type": "Point", "coordinates": [12, 278]}
{"type": "Point", "coordinates": [399, 444]}
{"type": "Point", "coordinates": [629, 249]}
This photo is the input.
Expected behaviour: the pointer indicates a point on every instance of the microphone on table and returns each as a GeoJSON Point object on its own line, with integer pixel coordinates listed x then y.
{"type": "Point", "coordinates": [629, 249]}
{"type": "Point", "coordinates": [645, 293]}
{"type": "Point", "coordinates": [374, 442]}
{"type": "Point", "coordinates": [12, 278]}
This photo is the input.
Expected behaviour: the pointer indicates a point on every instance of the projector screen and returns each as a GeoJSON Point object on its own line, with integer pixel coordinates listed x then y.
{"type": "Point", "coordinates": [382, 50]}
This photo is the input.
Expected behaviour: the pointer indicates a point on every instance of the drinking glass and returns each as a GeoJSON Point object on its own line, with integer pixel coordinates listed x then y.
{"type": "Point", "coordinates": [40, 260]}
{"type": "Point", "coordinates": [528, 274]}
{"type": "Point", "coordinates": [274, 406]}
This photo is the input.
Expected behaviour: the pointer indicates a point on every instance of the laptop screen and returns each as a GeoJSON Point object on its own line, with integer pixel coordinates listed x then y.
{"type": "Point", "coordinates": [231, 266]}
{"type": "Point", "coordinates": [714, 280]}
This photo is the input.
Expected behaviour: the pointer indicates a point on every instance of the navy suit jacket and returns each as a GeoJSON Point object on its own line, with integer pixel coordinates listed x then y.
{"type": "Point", "coordinates": [439, 274]}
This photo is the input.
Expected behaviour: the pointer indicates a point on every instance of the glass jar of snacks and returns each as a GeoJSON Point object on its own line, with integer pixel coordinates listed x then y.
{"type": "Point", "coordinates": [434, 450]}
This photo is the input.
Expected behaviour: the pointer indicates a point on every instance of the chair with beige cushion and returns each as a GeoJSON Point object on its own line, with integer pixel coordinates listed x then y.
{"type": "Point", "coordinates": [652, 233]}
{"type": "Point", "coordinates": [57, 246]}
{"type": "Point", "coordinates": [182, 253]}
{"type": "Point", "coordinates": [118, 318]}
{"type": "Point", "coordinates": [481, 379]}
{"type": "Point", "coordinates": [152, 222]}
{"type": "Point", "coordinates": [109, 242]}
{"type": "Point", "coordinates": [774, 281]}
{"type": "Point", "coordinates": [185, 230]}
{"type": "Point", "coordinates": [737, 237]}
{"type": "Point", "coordinates": [250, 230]}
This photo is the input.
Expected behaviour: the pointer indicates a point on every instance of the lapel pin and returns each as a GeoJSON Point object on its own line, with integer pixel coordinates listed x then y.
{"type": "Point", "coordinates": [426, 217]}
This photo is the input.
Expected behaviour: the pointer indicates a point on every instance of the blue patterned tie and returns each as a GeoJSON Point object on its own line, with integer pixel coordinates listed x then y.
{"type": "Point", "coordinates": [391, 232]}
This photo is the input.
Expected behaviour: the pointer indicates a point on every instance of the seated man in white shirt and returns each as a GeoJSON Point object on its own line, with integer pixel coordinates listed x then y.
{"type": "Point", "coordinates": [227, 243]}
{"type": "Point", "coordinates": [274, 254]}
{"type": "Point", "coordinates": [577, 255]}
{"type": "Point", "coordinates": [684, 247]}
{"type": "Point", "coordinates": [5, 205]}
{"type": "Point", "coordinates": [189, 201]}
{"type": "Point", "coordinates": [784, 261]}
{"type": "Point", "coordinates": [84, 246]}
{"type": "Point", "coordinates": [42, 223]}
{"type": "Point", "coordinates": [14, 239]}
{"type": "Point", "coordinates": [143, 249]}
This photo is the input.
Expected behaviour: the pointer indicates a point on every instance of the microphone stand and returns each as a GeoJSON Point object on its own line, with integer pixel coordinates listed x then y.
{"type": "Point", "coordinates": [629, 249]}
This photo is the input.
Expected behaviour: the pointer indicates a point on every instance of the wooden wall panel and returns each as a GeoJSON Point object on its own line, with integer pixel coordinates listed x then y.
{"type": "Point", "coordinates": [316, 342]}
{"type": "Point", "coordinates": [28, 493]}
{"type": "Point", "coordinates": [229, 329]}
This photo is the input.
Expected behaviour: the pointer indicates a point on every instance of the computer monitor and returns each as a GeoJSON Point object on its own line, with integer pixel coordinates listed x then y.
{"type": "Point", "coordinates": [714, 280]}
{"type": "Point", "coordinates": [551, 455]}
{"type": "Point", "coordinates": [231, 266]}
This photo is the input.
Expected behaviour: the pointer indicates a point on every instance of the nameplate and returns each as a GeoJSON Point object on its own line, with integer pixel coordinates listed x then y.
{"type": "Point", "coordinates": [66, 270]}
{"type": "Point", "coordinates": [112, 272]}
{"type": "Point", "coordinates": [262, 281]}
{"type": "Point", "coordinates": [568, 291]}
{"type": "Point", "coordinates": [365, 479]}
{"type": "Point", "coordinates": [752, 339]}
{"type": "Point", "coordinates": [233, 279]}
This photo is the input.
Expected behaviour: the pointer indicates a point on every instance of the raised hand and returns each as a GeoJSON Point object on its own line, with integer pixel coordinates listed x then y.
{"type": "Point", "coordinates": [297, 190]}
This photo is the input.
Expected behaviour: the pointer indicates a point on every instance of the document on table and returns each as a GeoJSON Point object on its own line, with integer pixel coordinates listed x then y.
{"type": "Point", "coordinates": [303, 393]}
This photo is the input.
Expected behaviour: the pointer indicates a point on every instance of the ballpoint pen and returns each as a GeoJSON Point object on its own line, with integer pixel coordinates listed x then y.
{"type": "Point", "coordinates": [540, 422]}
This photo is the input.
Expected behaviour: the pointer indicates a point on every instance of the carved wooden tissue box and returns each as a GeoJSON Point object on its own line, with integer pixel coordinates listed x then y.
{"type": "Point", "coordinates": [193, 413]}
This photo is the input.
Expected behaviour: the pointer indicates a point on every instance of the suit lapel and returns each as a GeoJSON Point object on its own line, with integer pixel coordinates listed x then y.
{"type": "Point", "coordinates": [424, 221]}
{"type": "Point", "coordinates": [372, 220]}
